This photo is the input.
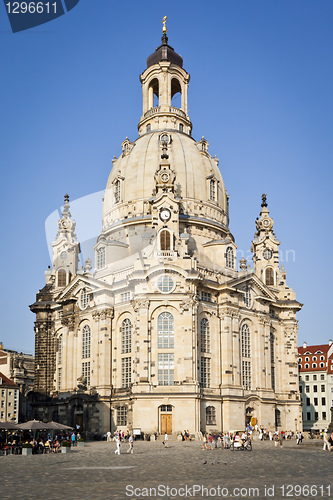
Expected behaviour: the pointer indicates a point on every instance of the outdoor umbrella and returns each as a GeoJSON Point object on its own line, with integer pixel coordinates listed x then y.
{"type": "Point", "coordinates": [4, 426]}
{"type": "Point", "coordinates": [59, 427]}
{"type": "Point", "coordinates": [33, 425]}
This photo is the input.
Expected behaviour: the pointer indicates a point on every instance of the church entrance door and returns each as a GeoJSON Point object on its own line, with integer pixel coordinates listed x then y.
{"type": "Point", "coordinates": [79, 422]}
{"type": "Point", "coordinates": [166, 423]}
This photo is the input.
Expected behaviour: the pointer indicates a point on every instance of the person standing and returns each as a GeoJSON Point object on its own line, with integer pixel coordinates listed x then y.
{"type": "Point", "coordinates": [326, 443]}
{"type": "Point", "coordinates": [330, 442]}
{"type": "Point", "coordinates": [73, 439]}
{"type": "Point", "coordinates": [108, 437]}
{"type": "Point", "coordinates": [166, 437]}
{"type": "Point", "coordinates": [204, 442]}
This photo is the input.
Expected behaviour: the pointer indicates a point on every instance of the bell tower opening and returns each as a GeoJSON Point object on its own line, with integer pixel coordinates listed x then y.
{"type": "Point", "coordinates": [153, 93]}
{"type": "Point", "coordinates": [176, 93]}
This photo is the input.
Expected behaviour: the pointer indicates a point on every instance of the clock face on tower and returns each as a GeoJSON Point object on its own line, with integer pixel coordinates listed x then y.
{"type": "Point", "coordinates": [165, 214]}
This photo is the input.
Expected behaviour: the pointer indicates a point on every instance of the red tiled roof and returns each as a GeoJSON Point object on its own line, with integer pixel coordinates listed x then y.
{"type": "Point", "coordinates": [312, 349]}
{"type": "Point", "coordinates": [6, 382]}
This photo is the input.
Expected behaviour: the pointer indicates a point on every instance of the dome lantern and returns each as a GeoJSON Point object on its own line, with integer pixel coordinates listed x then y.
{"type": "Point", "coordinates": [162, 81]}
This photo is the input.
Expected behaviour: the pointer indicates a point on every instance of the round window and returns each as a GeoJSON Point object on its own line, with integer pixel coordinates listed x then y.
{"type": "Point", "coordinates": [268, 254]}
{"type": "Point", "coordinates": [165, 283]}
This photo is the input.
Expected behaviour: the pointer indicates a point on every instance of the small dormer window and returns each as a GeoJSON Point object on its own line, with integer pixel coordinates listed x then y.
{"type": "Point", "coordinates": [229, 258]}
{"type": "Point", "coordinates": [212, 190]}
{"type": "Point", "coordinates": [148, 128]}
{"type": "Point", "coordinates": [165, 240]}
{"type": "Point", "coordinates": [181, 127]}
{"type": "Point", "coordinates": [84, 299]}
{"type": "Point", "coordinates": [62, 277]}
{"type": "Point", "coordinates": [117, 191]}
{"type": "Point", "coordinates": [247, 298]}
{"type": "Point", "coordinates": [101, 258]}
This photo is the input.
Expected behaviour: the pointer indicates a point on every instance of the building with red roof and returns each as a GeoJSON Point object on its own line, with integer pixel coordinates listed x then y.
{"type": "Point", "coordinates": [316, 384]}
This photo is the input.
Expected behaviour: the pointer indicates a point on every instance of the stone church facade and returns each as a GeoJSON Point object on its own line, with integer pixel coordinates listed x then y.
{"type": "Point", "coordinates": [165, 333]}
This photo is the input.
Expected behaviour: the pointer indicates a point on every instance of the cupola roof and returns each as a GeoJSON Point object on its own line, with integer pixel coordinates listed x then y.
{"type": "Point", "coordinates": [165, 53]}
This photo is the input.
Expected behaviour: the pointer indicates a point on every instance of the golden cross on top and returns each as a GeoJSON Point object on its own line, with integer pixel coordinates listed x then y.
{"type": "Point", "coordinates": [164, 29]}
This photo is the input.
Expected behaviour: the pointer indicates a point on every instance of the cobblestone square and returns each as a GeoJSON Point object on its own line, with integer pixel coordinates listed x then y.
{"type": "Point", "coordinates": [183, 470]}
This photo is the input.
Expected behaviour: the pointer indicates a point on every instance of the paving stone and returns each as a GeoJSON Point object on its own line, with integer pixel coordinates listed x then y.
{"type": "Point", "coordinates": [96, 473]}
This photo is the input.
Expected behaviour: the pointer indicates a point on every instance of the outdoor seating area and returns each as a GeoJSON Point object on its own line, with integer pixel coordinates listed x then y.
{"type": "Point", "coordinates": [35, 437]}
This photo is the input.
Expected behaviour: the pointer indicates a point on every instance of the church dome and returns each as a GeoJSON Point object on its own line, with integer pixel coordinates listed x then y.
{"type": "Point", "coordinates": [195, 174]}
{"type": "Point", "coordinates": [165, 146]}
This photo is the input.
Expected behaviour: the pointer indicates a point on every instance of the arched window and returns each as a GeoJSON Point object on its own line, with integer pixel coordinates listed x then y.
{"type": "Point", "coordinates": [176, 93]}
{"type": "Point", "coordinates": [86, 339]}
{"type": "Point", "coordinates": [246, 348]}
{"type": "Point", "coordinates": [153, 94]}
{"type": "Point", "coordinates": [62, 277]}
{"type": "Point", "coordinates": [165, 330]}
{"type": "Point", "coordinates": [60, 349]}
{"type": "Point", "coordinates": [229, 258]}
{"type": "Point", "coordinates": [277, 418]}
{"type": "Point", "coordinates": [212, 190]}
{"type": "Point", "coordinates": [181, 127]}
{"type": "Point", "coordinates": [210, 415]}
{"type": "Point", "coordinates": [205, 335]}
{"type": "Point", "coordinates": [117, 191]}
{"type": "Point", "coordinates": [165, 240]}
{"type": "Point", "coordinates": [246, 355]}
{"type": "Point", "coordinates": [126, 336]}
{"type": "Point", "coordinates": [101, 258]}
{"type": "Point", "coordinates": [269, 276]}
{"type": "Point", "coordinates": [148, 128]}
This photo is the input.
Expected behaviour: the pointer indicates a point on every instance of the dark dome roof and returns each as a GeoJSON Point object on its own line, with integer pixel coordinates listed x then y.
{"type": "Point", "coordinates": [164, 53]}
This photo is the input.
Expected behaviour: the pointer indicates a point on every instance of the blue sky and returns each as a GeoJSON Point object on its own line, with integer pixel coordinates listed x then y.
{"type": "Point", "coordinates": [260, 92]}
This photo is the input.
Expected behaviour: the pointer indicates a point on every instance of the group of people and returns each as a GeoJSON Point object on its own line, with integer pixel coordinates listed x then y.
{"type": "Point", "coordinates": [119, 438]}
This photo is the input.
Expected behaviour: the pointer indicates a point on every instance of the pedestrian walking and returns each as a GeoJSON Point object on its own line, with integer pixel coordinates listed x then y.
{"type": "Point", "coordinates": [165, 442]}
{"type": "Point", "coordinates": [204, 442]}
{"type": "Point", "coordinates": [299, 438]}
{"type": "Point", "coordinates": [326, 443]}
{"type": "Point", "coordinates": [130, 442]}
{"type": "Point", "coordinates": [117, 450]}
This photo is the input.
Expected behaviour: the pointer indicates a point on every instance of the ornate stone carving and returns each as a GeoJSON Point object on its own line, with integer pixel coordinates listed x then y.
{"type": "Point", "coordinates": [140, 304]}
{"type": "Point", "coordinates": [188, 303]}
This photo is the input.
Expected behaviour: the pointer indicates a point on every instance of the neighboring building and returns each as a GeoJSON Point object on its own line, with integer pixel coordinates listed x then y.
{"type": "Point", "coordinates": [316, 385]}
{"type": "Point", "coordinates": [165, 333]}
{"type": "Point", "coordinates": [9, 400]}
{"type": "Point", "coordinates": [20, 369]}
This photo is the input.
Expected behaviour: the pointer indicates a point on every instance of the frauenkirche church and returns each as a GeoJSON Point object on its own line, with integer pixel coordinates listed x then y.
{"type": "Point", "coordinates": [165, 333]}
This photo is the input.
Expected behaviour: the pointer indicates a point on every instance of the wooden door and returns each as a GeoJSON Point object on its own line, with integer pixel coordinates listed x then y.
{"type": "Point", "coordinates": [79, 421]}
{"type": "Point", "coordinates": [166, 423]}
